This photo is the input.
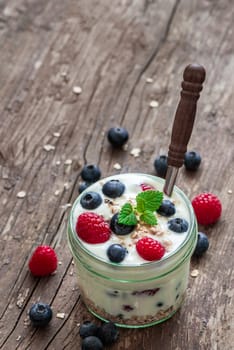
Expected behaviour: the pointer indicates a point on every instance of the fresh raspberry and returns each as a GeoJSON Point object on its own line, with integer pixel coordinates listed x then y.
{"type": "Point", "coordinates": [150, 249]}
{"type": "Point", "coordinates": [207, 208]}
{"type": "Point", "coordinates": [43, 261]}
{"type": "Point", "coordinates": [92, 228]}
{"type": "Point", "coordinates": [147, 187]}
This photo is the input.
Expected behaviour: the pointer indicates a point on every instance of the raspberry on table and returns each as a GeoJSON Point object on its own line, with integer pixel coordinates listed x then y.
{"type": "Point", "coordinates": [43, 261]}
{"type": "Point", "coordinates": [92, 228]}
{"type": "Point", "coordinates": [150, 249]}
{"type": "Point", "coordinates": [207, 208]}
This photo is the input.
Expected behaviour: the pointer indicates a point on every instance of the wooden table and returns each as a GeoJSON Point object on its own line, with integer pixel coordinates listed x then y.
{"type": "Point", "coordinates": [123, 54]}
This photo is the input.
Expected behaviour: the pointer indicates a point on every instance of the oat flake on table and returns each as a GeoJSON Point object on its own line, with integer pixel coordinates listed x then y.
{"type": "Point", "coordinates": [49, 147]}
{"type": "Point", "coordinates": [135, 152]}
{"type": "Point", "coordinates": [77, 90]}
{"type": "Point", "coordinates": [149, 80]}
{"type": "Point", "coordinates": [154, 104]}
{"type": "Point", "coordinates": [21, 194]}
{"type": "Point", "coordinates": [68, 162]}
{"type": "Point", "coordinates": [194, 273]}
{"type": "Point", "coordinates": [117, 166]}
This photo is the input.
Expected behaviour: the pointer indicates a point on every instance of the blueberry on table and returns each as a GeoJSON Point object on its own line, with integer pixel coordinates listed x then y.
{"type": "Point", "coordinates": [167, 208]}
{"type": "Point", "coordinates": [87, 329]}
{"type": "Point", "coordinates": [116, 252]}
{"type": "Point", "coordinates": [108, 333]}
{"type": "Point", "coordinates": [117, 136]}
{"type": "Point", "coordinates": [90, 173]}
{"type": "Point", "coordinates": [113, 188]}
{"type": "Point", "coordinates": [202, 244]}
{"type": "Point", "coordinates": [90, 200]}
{"type": "Point", "coordinates": [120, 229]}
{"type": "Point", "coordinates": [192, 160]}
{"type": "Point", "coordinates": [160, 165]}
{"type": "Point", "coordinates": [40, 314]}
{"type": "Point", "coordinates": [178, 225]}
{"type": "Point", "coordinates": [91, 343]}
{"type": "Point", "coordinates": [83, 186]}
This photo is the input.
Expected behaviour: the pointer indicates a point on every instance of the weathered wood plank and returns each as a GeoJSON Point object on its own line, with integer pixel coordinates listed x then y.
{"type": "Point", "coordinates": [47, 48]}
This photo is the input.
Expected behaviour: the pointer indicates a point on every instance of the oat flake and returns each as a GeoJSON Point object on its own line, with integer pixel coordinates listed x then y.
{"type": "Point", "coordinates": [117, 166]}
{"type": "Point", "coordinates": [48, 148]}
{"type": "Point", "coordinates": [154, 104]}
{"type": "Point", "coordinates": [229, 191]}
{"type": "Point", "coordinates": [21, 194]}
{"type": "Point", "coordinates": [56, 134]}
{"type": "Point", "coordinates": [60, 315]}
{"type": "Point", "coordinates": [68, 162]}
{"type": "Point", "coordinates": [66, 185]}
{"type": "Point", "coordinates": [135, 152]}
{"type": "Point", "coordinates": [149, 80]}
{"type": "Point", "coordinates": [77, 90]}
{"type": "Point", "coordinates": [194, 273]}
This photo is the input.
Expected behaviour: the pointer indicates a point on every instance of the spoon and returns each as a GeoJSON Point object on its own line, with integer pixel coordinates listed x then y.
{"type": "Point", "coordinates": [193, 77]}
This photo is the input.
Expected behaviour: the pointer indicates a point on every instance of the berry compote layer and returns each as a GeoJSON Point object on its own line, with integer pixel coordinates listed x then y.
{"type": "Point", "coordinates": [132, 247]}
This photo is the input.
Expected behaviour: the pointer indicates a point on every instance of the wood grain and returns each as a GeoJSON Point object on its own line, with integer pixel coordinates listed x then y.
{"type": "Point", "coordinates": [109, 49]}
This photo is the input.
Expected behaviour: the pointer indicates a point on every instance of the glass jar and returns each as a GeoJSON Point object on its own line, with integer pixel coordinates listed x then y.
{"type": "Point", "coordinates": [134, 296]}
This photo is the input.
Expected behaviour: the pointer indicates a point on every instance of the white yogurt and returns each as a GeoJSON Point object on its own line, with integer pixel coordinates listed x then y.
{"type": "Point", "coordinates": [171, 240]}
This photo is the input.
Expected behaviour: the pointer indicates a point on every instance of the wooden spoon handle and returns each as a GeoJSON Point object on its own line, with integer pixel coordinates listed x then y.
{"type": "Point", "coordinates": [194, 76]}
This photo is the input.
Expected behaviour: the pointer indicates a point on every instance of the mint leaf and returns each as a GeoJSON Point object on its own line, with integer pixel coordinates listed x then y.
{"type": "Point", "coordinates": [149, 200]}
{"type": "Point", "coordinates": [149, 217]}
{"type": "Point", "coordinates": [126, 215]}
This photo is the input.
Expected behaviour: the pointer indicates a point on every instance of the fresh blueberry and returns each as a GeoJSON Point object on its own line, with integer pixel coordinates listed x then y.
{"type": "Point", "coordinates": [146, 292]}
{"type": "Point", "coordinates": [90, 200]}
{"type": "Point", "coordinates": [120, 229]}
{"type": "Point", "coordinates": [108, 333]}
{"type": "Point", "coordinates": [192, 160]}
{"type": "Point", "coordinates": [83, 186]}
{"type": "Point", "coordinates": [113, 188]}
{"type": "Point", "coordinates": [91, 343]}
{"type": "Point", "coordinates": [87, 329]}
{"type": "Point", "coordinates": [40, 314]}
{"type": "Point", "coordinates": [178, 225]}
{"type": "Point", "coordinates": [160, 304]}
{"type": "Point", "coordinates": [116, 252]}
{"type": "Point", "coordinates": [202, 244]}
{"type": "Point", "coordinates": [117, 136]}
{"type": "Point", "coordinates": [90, 173]}
{"type": "Point", "coordinates": [167, 208]}
{"type": "Point", "coordinates": [112, 293]}
{"type": "Point", "coordinates": [160, 165]}
{"type": "Point", "coordinates": [127, 308]}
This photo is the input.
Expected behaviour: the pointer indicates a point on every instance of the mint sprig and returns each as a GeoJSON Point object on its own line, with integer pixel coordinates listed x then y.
{"type": "Point", "coordinates": [127, 215]}
{"type": "Point", "coordinates": [147, 203]}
